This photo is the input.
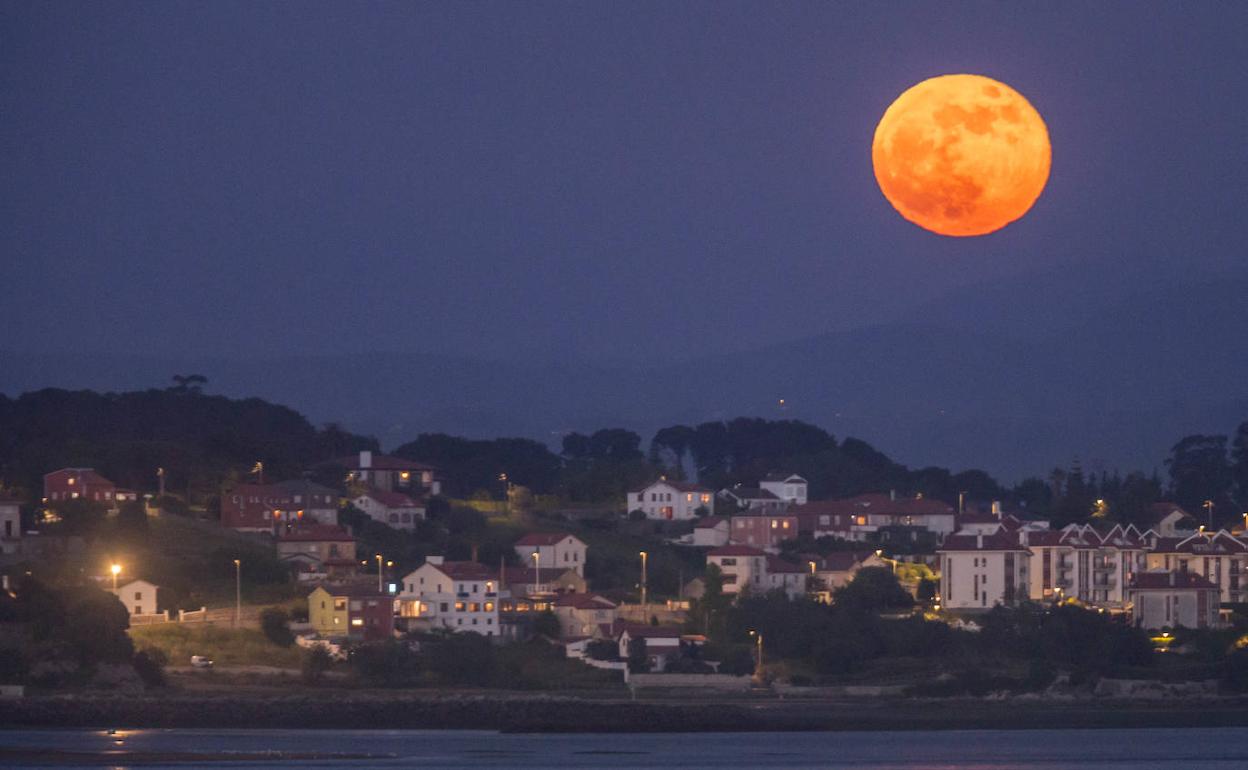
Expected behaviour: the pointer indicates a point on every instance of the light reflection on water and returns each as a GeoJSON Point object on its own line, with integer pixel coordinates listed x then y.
{"type": "Point", "coordinates": [1196, 749]}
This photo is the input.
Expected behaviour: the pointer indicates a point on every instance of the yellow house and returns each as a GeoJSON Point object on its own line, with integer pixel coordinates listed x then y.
{"type": "Point", "coordinates": [328, 613]}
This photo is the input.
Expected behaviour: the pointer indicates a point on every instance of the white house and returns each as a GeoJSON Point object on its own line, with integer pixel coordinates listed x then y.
{"type": "Point", "coordinates": [454, 595]}
{"type": "Point", "coordinates": [1169, 520]}
{"type": "Point", "coordinates": [10, 525]}
{"type": "Point", "coordinates": [662, 643]}
{"type": "Point", "coordinates": [743, 568]}
{"type": "Point", "coordinates": [863, 517]}
{"type": "Point", "coordinates": [671, 500]}
{"type": "Point", "coordinates": [787, 486]}
{"type": "Point", "coordinates": [583, 614]}
{"type": "Point", "coordinates": [1171, 599]}
{"type": "Point", "coordinates": [555, 550]}
{"type": "Point", "coordinates": [393, 509]}
{"type": "Point", "coordinates": [139, 597]}
{"type": "Point", "coordinates": [793, 579]}
{"type": "Point", "coordinates": [711, 531]}
{"type": "Point", "coordinates": [980, 571]}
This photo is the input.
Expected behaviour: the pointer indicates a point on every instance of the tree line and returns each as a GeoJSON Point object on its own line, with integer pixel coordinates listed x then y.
{"type": "Point", "coordinates": [205, 443]}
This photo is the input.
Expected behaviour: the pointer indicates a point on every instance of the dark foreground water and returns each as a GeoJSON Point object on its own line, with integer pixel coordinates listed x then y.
{"type": "Point", "coordinates": [1172, 749]}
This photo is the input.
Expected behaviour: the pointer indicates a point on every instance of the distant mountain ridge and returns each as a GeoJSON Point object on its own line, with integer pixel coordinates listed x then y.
{"type": "Point", "coordinates": [995, 397]}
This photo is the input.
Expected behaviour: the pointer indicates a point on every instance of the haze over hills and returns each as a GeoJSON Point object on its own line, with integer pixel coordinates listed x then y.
{"type": "Point", "coordinates": [1015, 397]}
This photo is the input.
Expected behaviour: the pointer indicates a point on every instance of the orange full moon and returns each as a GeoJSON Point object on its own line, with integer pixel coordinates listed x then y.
{"type": "Point", "coordinates": [961, 155]}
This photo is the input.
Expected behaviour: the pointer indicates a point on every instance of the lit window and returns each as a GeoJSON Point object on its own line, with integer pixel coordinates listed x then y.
{"type": "Point", "coordinates": [774, 523]}
{"type": "Point", "coordinates": [459, 606]}
{"type": "Point", "coordinates": [357, 621]}
{"type": "Point", "coordinates": [689, 498]}
{"type": "Point", "coordinates": [489, 606]}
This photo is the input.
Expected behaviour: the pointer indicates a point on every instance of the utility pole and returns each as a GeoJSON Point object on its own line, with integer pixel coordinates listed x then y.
{"type": "Point", "coordinates": [643, 581]}
{"type": "Point", "coordinates": [238, 592]}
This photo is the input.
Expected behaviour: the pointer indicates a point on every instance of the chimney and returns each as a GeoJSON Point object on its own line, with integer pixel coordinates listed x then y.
{"type": "Point", "coordinates": [996, 508]}
{"type": "Point", "coordinates": [892, 495]}
{"type": "Point", "coordinates": [433, 560]}
{"type": "Point", "coordinates": [979, 540]}
{"type": "Point", "coordinates": [366, 459]}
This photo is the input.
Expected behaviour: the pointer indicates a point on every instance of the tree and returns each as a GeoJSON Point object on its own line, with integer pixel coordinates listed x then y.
{"type": "Point", "coordinates": [189, 383]}
{"type": "Point", "coordinates": [1200, 471]}
{"type": "Point", "coordinates": [873, 589]}
{"type": "Point", "coordinates": [546, 624]}
{"type": "Point", "coordinates": [317, 662]}
{"type": "Point", "coordinates": [638, 657]}
{"type": "Point", "coordinates": [275, 624]}
{"type": "Point", "coordinates": [602, 649]}
{"type": "Point", "coordinates": [1239, 467]}
{"type": "Point", "coordinates": [150, 664]}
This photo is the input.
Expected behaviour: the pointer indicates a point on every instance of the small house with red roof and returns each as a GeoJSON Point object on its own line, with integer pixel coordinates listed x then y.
{"type": "Point", "coordinates": [663, 643]}
{"type": "Point", "coordinates": [354, 610]}
{"type": "Point", "coordinates": [392, 474]}
{"type": "Point", "coordinates": [793, 579]}
{"type": "Point", "coordinates": [316, 551]}
{"type": "Point", "coordinates": [711, 531]}
{"type": "Point", "coordinates": [978, 572]}
{"type": "Point", "coordinates": [394, 509]}
{"type": "Point", "coordinates": [583, 614]}
{"type": "Point", "coordinates": [553, 550]}
{"type": "Point", "coordinates": [267, 507]}
{"type": "Point", "coordinates": [531, 582]}
{"type": "Point", "coordinates": [1171, 599]}
{"type": "Point", "coordinates": [743, 567]}
{"type": "Point", "coordinates": [83, 484]}
{"type": "Point", "coordinates": [671, 500]}
{"type": "Point", "coordinates": [865, 516]}
{"type": "Point", "coordinates": [761, 530]}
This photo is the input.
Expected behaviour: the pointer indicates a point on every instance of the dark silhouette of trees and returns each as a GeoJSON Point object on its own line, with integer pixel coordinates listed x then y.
{"type": "Point", "coordinates": [1201, 471]}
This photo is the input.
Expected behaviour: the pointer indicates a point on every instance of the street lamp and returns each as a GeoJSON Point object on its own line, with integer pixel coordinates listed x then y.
{"type": "Point", "coordinates": [537, 569]}
{"type": "Point", "coordinates": [238, 592]}
{"type": "Point", "coordinates": [116, 570]}
{"type": "Point", "coordinates": [644, 556]}
{"type": "Point", "coordinates": [759, 645]}
{"type": "Point", "coordinates": [1208, 506]}
{"type": "Point", "coordinates": [380, 588]}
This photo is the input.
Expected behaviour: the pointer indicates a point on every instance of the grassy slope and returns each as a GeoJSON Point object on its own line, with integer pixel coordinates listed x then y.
{"type": "Point", "coordinates": [226, 646]}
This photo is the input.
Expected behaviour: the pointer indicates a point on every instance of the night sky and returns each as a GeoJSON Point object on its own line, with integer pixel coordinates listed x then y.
{"type": "Point", "coordinates": [511, 179]}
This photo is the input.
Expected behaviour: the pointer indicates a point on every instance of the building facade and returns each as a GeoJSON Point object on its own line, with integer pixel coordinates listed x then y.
{"type": "Point", "coordinates": [671, 500]}
{"type": "Point", "coordinates": [555, 550]}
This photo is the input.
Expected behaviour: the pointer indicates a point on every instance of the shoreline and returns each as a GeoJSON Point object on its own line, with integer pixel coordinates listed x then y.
{"type": "Point", "coordinates": [569, 714]}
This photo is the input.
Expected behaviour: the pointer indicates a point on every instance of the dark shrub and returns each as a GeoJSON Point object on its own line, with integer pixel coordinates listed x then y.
{"type": "Point", "coordinates": [274, 624]}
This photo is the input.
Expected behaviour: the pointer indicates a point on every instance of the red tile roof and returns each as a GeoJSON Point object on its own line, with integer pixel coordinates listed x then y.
{"type": "Point", "coordinates": [544, 538]}
{"type": "Point", "coordinates": [316, 533]}
{"type": "Point", "coordinates": [735, 550]}
{"type": "Point", "coordinates": [466, 570]}
{"type": "Point", "coordinates": [998, 541]}
{"type": "Point", "coordinates": [777, 565]}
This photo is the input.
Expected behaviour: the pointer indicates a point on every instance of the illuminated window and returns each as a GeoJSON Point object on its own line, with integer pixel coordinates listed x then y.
{"type": "Point", "coordinates": [459, 606]}
{"type": "Point", "coordinates": [489, 606]}
{"type": "Point", "coordinates": [785, 525]}
{"type": "Point", "coordinates": [706, 498]}
{"type": "Point", "coordinates": [774, 523]}
{"type": "Point", "coordinates": [861, 521]}
{"type": "Point", "coordinates": [689, 498]}
{"type": "Point", "coordinates": [357, 621]}
{"type": "Point", "coordinates": [474, 607]}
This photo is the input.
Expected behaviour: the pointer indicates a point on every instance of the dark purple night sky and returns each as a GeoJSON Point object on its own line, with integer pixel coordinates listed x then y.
{"type": "Point", "coordinates": [615, 182]}
{"type": "Point", "coordinates": [609, 179]}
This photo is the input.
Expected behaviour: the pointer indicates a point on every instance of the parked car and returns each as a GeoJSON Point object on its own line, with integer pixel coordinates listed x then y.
{"type": "Point", "coordinates": [199, 661]}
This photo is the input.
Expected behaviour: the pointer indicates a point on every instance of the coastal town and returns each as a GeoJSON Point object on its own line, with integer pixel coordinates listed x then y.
{"type": "Point", "coordinates": [346, 584]}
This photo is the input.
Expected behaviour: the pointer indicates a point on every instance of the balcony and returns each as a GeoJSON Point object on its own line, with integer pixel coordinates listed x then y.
{"type": "Point", "coordinates": [1104, 567]}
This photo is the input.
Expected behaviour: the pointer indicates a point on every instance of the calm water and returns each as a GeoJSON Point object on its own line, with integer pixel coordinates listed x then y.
{"type": "Point", "coordinates": [996, 750]}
